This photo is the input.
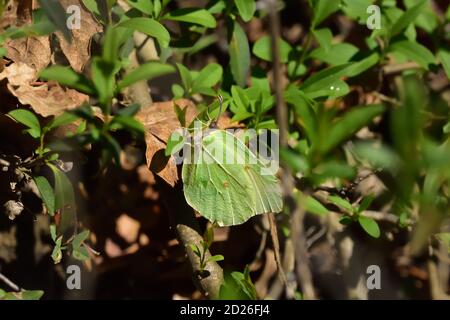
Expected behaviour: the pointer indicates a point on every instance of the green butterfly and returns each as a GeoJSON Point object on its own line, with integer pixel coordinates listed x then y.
{"type": "Point", "coordinates": [230, 184]}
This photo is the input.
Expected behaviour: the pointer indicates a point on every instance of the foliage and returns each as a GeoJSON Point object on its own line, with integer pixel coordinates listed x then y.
{"type": "Point", "coordinates": [328, 141]}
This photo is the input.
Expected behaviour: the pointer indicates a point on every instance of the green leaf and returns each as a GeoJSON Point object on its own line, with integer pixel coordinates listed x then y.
{"type": "Point", "coordinates": [295, 161]}
{"type": "Point", "coordinates": [216, 258]}
{"type": "Point", "coordinates": [215, 7]}
{"type": "Point", "coordinates": [208, 236]}
{"type": "Point", "coordinates": [337, 89]}
{"type": "Point", "coordinates": [111, 42]}
{"type": "Point", "coordinates": [80, 253]}
{"type": "Point", "coordinates": [245, 284]}
{"type": "Point", "coordinates": [428, 19]}
{"type": "Point", "coordinates": [263, 49]}
{"type": "Point", "coordinates": [157, 7]}
{"type": "Point", "coordinates": [46, 192]}
{"type": "Point", "coordinates": [303, 110]}
{"type": "Point", "coordinates": [348, 125]}
{"type": "Point", "coordinates": [444, 57]}
{"type": "Point", "coordinates": [415, 52]}
{"type": "Point", "coordinates": [444, 237]}
{"type": "Point", "coordinates": [57, 14]}
{"type": "Point", "coordinates": [341, 203]}
{"type": "Point", "coordinates": [370, 226]}
{"type": "Point", "coordinates": [379, 156]}
{"type": "Point", "coordinates": [53, 232]}
{"type": "Point", "coordinates": [150, 27]}
{"type": "Point", "coordinates": [208, 77]}
{"type": "Point", "coordinates": [337, 54]}
{"type": "Point", "coordinates": [174, 144]}
{"type": "Point", "coordinates": [177, 91]}
{"type": "Point", "coordinates": [129, 123]}
{"type": "Point", "coordinates": [196, 250]}
{"type": "Point", "coordinates": [146, 71]}
{"type": "Point", "coordinates": [80, 238]}
{"type": "Point", "coordinates": [407, 18]}
{"type": "Point", "coordinates": [112, 148]}
{"type": "Point", "coordinates": [192, 15]}
{"type": "Point", "coordinates": [314, 206]}
{"type": "Point", "coordinates": [324, 37]}
{"type": "Point", "coordinates": [92, 6]}
{"type": "Point", "coordinates": [145, 6]}
{"type": "Point", "coordinates": [129, 110]}
{"type": "Point", "coordinates": [323, 9]}
{"type": "Point", "coordinates": [363, 64]}
{"type": "Point", "coordinates": [68, 77]}
{"type": "Point", "coordinates": [32, 294]}
{"type": "Point", "coordinates": [57, 253]}
{"type": "Point", "coordinates": [239, 54]}
{"type": "Point", "coordinates": [3, 52]}
{"type": "Point", "coordinates": [246, 9]}
{"type": "Point", "coordinates": [365, 203]}
{"type": "Point", "coordinates": [240, 104]}
{"type": "Point", "coordinates": [332, 169]}
{"type": "Point", "coordinates": [28, 119]}
{"type": "Point", "coordinates": [64, 199]}
{"type": "Point", "coordinates": [186, 77]}
{"type": "Point", "coordinates": [181, 113]}
{"type": "Point", "coordinates": [446, 128]}
{"type": "Point", "coordinates": [357, 9]}
{"type": "Point", "coordinates": [325, 78]}
{"type": "Point", "coordinates": [345, 220]}
{"type": "Point", "coordinates": [62, 120]}
{"type": "Point", "coordinates": [41, 26]}
{"type": "Point", "coordinates": [201, 44]}
{"type": "Point", "coordinates": [103, 76]}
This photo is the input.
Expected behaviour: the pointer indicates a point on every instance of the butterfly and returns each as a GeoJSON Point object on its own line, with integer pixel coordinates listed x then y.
{"type": "Point", "coordinates": [225, 181]}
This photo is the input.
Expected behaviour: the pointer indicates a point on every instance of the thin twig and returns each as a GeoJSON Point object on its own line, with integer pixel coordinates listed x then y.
{"type": "Point", "coordinates": [315, 237]}
{"type": "Point", "coordinates": [11, 284]}
{"type": "Point", "coordinates": [398, 68]}
{"type": "Point", "coordinates": [297, 236]}
{"type": "Point", "coordinates": [276, 248]}
{"type": "Point", "coordinates": [282, 120]}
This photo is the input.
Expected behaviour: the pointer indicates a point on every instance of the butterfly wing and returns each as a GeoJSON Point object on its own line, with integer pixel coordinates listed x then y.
{"type": "Point", "coordinates": [230, 190]}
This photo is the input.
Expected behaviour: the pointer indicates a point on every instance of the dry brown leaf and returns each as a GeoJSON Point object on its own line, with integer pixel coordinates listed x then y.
{"type": "Point", "coordinates": [160, 120]}
{"type": "Point", "coordinates": [34, 51]}
{"type": "Point", "coordinates": [78, 51]}
{"type": "Point", "coordinates": [9, 16]}
{"type": "Point", "coordinates": [47, 99]}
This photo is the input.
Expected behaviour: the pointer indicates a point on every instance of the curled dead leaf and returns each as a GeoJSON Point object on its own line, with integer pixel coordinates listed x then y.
{"type": "Point", "coordinates": [159, 121]}
{"type": "Point", "coordinates": [33, 51]}
{"type": "Point", "coordinates": [9, 14]}
{"type": "Point", "coordinates": [78, 51]}
{"type": "Point", "coordinates": [47, 99]}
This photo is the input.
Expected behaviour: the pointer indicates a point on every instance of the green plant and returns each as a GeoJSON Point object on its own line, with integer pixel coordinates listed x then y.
{"type": "Point", "coordinates": [368, 100]}
{"type": "Point", "coordinates": [201, 252]}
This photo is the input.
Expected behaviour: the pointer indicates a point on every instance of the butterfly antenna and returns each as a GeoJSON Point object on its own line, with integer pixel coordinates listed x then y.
{"type": "Point", "coordinates": [214, 123]}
